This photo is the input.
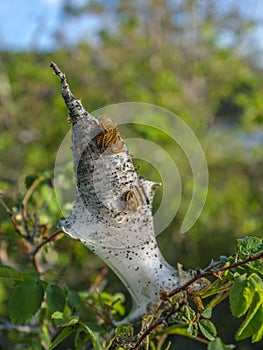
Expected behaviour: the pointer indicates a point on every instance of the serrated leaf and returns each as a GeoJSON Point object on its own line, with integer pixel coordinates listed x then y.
{"type": "Point", "coordinates": [249, 245]}
{"type": "Point", "coordinates": [207, 313]}
{"type": "Point", "coordinates": [65, 333]}
{"type": "Point", "coordinates": [25, 301]}
{"type": "Point", "coordinates": [252, 325]}
{"type": "Point", "coordinates": [241, 296]}
{"type": "Point", "coordinates": [55, 298]}
{"type": "Point", "coordinates": [208, 329]}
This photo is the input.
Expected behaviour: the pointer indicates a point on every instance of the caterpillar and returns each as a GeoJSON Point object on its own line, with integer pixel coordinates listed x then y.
{"type": "Point", "coordinates": [109, 138]}
{"type": "Point", "coordinates": [133, 199]}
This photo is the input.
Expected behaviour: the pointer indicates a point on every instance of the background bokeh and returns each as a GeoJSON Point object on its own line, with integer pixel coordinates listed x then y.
{"type": "Point", "coordinates": [199, 59]}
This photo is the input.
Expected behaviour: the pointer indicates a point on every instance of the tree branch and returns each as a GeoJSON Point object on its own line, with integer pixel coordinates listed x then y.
{"type": "Point", "coordinates": [214, 272]}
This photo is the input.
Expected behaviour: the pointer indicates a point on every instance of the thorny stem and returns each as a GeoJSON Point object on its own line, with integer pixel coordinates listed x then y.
{"type": "Point", "coordinates": [215, 272]}
{"type": "Point", "coordinates": [158, 323]}
{"type": "Point", "coordinates": [153, 326]}
{"type": "Point", "coordinates": [213, 303]}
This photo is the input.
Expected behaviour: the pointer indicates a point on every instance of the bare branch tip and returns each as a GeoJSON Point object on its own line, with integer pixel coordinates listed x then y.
{"type": "Point", "coordinates": [58, 72]}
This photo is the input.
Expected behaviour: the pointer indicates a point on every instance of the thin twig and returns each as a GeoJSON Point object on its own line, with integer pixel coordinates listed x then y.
{"type": "Point", "coordinates": [12, 217]}
{"type": "Point", "coordinates": [61, 75]}
{"type": "Point", "coordinates": [37, 248]}
{"type": "Point", "coordinates": [95, 285]}
{"type": "Point", "coordinates": [29, 192]}
{"type": "Point", "coordinates": [213, 272]}
{"type": "Point", "coordinates": [185, 287]}
{"type": "Point", "coordinates": [33, 254]}
{"type": "Point", "coordinates": [152, 327]}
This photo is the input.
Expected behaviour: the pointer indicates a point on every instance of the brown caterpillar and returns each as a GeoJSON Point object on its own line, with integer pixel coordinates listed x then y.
{"type": "Point", "coordinates": [133, 199]}
{"type": "Point", "coordinates": [109, 138]}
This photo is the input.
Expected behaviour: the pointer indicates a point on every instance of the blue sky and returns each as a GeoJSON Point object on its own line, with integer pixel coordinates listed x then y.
{"type": "Point", "coordinates": [20, 22]}
{"type": "Point", "coordinates": [27, 24]}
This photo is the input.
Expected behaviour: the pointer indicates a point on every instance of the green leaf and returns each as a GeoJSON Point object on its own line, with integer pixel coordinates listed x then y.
{"type": "Point", "coordinates": [94, 337]}
{"type": "Point", "coordinates": [252, 325]}
{"type": "Point", "coordinates": [188, 313]}
{"type": "Point", "coordinates": [74, 300]}
{"type": "Point", "coordinates": [208, 329]}
{"type": "Point", "coordinates": [65, 333]}
{"type": "Point", "coordinates": [256, 282]}
{"type": "Point", "coordinates": [179, 329]}
{"type": "Point", "coordinates": [257, 336]}
{"type": "Point", "coordinates": [25, 301]}
{"type": "Point", "coordinates": [55, 298]}
{"type": "Point", "coordinates": [94, 327]}
{"type": "Point", "coordinates": [122, 329]}
{"type": "Point", "coordinates": [115, 301]}
{"type": "Point", "coordinates": [223, 258]}
{"type": "Point", "coordinates": [193, 330]}
{"type": "Point", "coordinates": [64, 321]}
{"type": "Point", "coordinates": [29, 180]}
{"type": "Point", "coordinates": [241, 295]}
{"type": "Point", "coordinates": [249, 245]}
{"type": "Point", "coordinates": [217, 344]}
{"type": "Point", "coordinates": [57, 315]}
{"type": "Point", "coordinates": [9, 272]}
{"type": "Point", "coordinates": [207, 313]}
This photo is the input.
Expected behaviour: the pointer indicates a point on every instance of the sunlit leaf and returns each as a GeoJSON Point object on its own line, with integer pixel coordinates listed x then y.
{"type": "Point", "coordinates": [252, 325]}
{"type": "Point", "coordinates": [64, 320]}
{"type": "Point", "coordinates": [207, 313]}
{"type": "Point", "coordinates": [249, 245]}
{"type": "Point", "coordinates": [241, 296]}
{"type": "Point", "coordinates": [122, 329]}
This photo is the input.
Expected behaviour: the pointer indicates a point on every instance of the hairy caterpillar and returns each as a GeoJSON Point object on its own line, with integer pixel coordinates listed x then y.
{"type": "Point", "coordinates": [109, 138]}
{"type": "Point", "coordinates": [134, 198]}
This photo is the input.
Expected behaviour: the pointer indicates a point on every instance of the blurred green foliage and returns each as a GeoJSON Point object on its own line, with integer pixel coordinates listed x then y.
{"type": "Point", "coordinates": [171, 55]}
